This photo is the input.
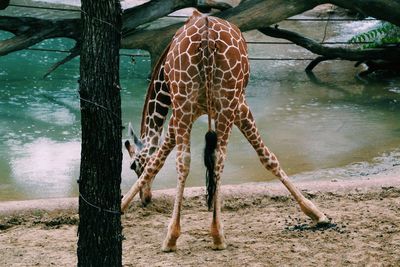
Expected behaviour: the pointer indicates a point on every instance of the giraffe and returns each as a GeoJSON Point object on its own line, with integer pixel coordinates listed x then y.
{"type": "Point", "coordinates": [204, 71]}
{"type": "Point", "coordinates": [155, 111]}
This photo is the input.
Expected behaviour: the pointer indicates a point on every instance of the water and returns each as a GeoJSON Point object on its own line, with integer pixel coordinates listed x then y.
{"type": "Point", "coordinates": [324, 126]}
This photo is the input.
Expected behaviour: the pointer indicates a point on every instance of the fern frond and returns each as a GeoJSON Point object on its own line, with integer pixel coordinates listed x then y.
{"type": "Point", "coordinates": [384, 33]}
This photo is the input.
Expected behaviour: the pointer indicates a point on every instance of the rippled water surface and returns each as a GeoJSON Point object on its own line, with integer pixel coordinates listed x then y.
{"type": "Point", "coordinates": [329, 124]}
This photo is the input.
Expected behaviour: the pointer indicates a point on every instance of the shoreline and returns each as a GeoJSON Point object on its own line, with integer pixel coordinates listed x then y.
{"type": "Point", "coordinates": [389, 178]}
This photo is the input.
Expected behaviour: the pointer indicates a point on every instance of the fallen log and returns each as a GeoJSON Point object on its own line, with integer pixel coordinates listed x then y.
{"type": "Point", "coordinates": [388, 54]}
{"type": "Point", "coordinates": [248, 15]}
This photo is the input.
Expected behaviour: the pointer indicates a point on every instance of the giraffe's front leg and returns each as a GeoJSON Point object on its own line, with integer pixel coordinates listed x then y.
{"type": "Point", "coordinates": [149, 172]}
{"type": "Point", "coordinates": [137, 186]}
{"type": "Point", "coordinates": [145, 194]}
{"type": "Point", "coordinates": [161, 154]}
{"type": "Point", "coordinates": [152, 168]}
{"type": "Point", "coordinates": [143, 184]}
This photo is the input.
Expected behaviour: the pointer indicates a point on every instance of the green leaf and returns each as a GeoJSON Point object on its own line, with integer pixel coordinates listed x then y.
{"type": "Point", "coordinates": [383, 33]}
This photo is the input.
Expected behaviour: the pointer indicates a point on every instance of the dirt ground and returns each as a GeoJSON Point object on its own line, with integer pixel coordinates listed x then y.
{"type": "Point", "coordinates": [263, 226]}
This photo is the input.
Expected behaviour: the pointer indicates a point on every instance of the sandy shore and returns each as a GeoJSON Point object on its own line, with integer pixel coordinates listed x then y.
{"type": "Point", "coordinates": [263, 226]}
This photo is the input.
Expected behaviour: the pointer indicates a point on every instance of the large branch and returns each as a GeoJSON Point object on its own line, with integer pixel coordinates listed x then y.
{"type": "Point", "coordinates": [388, 54]}
{"type": "Point", "coordinates": [255, 14]}
{"type": "Point", "coordinates": [30, 31]}
{"type": "Point", "coordinates": [152, 10]}
{"type": "Point", "coordinates": [248, 15]}
{"type": "Point", "coordinates": [388, 10]}
{"type": "Point", "coordinates": [4, 4]}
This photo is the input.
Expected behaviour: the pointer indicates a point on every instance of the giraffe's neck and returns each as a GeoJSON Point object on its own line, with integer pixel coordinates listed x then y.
{"type": "Point", "coordinates": [155, 108]}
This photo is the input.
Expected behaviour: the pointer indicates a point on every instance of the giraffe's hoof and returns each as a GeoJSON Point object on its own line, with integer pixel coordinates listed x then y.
{"type": "Point", "coordinates": [169, 244]}
{"type": "Point", "coordinates": [220, 246]}
{"type": "Point", "coordinates": [145, 197]}
{"type": "Point", "coordinates": [219, 241]}
{"type": "Point", "coordinates": [146, 201]}
{"type": "Point", "coordinates": [166, 248]}
{"type": "Point", "coordinates": [323, 220]}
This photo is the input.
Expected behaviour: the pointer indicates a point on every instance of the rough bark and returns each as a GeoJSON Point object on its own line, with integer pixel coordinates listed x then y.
{"type": "Point", "coordinates": [100, 238]}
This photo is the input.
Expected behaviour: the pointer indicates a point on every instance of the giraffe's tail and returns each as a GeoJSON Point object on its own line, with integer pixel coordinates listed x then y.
{"type": "Point", "coordinates": [209, 162]}
{"type": "Point", "coordinates": [207, 47]}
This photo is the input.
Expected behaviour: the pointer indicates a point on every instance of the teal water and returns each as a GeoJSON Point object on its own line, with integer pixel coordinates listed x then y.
{"type": "Point", "coordinates": [40, 119]}
{"type": "Point", "coordinates": [330, 121]}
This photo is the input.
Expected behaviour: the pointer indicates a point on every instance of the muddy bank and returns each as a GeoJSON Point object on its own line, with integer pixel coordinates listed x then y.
{"type": "Point", "coordinates": [263, 226]}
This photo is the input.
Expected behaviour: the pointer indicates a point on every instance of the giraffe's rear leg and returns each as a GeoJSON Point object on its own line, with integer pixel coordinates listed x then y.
{"type": "Point", "coordinates": [223, 128]}
{"type": "Point", "coordinates": [182, 168]}
{"type": "Point", "coordinates": [245, 122]}
{"type": "Point", "coordinates": [217, 228]}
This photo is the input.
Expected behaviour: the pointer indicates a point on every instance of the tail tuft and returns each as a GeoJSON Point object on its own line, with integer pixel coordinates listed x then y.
{"type": "Point", "coordinates": [209, 162]}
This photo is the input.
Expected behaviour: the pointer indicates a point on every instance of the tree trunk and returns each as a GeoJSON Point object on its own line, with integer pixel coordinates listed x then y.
{"type": "Point", "coordinates": [100, 239]}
